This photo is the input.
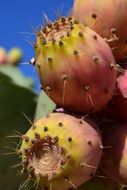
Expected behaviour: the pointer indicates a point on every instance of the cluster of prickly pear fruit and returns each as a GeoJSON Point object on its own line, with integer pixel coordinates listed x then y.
{"type": "Point", "coordinates": [78, 71]}
{"type": "Point", "coordinates": [13, 57]}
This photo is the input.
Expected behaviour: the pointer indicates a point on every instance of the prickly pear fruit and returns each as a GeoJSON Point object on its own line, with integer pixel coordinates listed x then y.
{"type": "Point", "coordinates": [117, 108]}
{"type": "Point", "coordinates": [122, 84]}
{"type": "Point", "coordinates": [14, 56]}
{"type": "Point", "coordinates": [60, 151]}
{"type": "Point", "coordinates": [100, 183]}
{"type": "Point", "coordinates": [114, 160]}
{"type": "Point", "coordinates": [108, 18]}
{"type": "Point", "coordinates": [71, 58]}
{"type": "Point", "coordinates": [3, 56]}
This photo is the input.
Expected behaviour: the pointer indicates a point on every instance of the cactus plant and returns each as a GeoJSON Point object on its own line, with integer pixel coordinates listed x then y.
{"type": "Point", "coordinates": [62, 148]}
{"type": "Point", "coordinates": [16, 99]}
{"type": "Point", "coordinates": [44, 106]}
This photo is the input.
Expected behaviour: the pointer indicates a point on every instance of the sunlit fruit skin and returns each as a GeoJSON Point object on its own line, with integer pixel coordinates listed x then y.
{"type": "Point", "coordinates": [61, 150]}
{"type": "Point", "coordinates": [75, 65]}
{"type": "Point", "coordinates": [114, 160]}
{"type": "Point", "coordinates": [108, 18]}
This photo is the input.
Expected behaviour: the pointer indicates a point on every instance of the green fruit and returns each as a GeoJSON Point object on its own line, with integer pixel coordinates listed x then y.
{"type": "Point", "coordinates": [15, 56]}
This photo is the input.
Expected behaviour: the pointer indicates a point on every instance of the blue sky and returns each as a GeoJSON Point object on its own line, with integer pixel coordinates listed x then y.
{"type": "Point", "coordinates": [17, 16]}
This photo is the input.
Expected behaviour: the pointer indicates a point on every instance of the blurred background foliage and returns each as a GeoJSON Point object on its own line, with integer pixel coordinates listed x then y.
{"type": "Point", "coordinates": [20, 106]}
